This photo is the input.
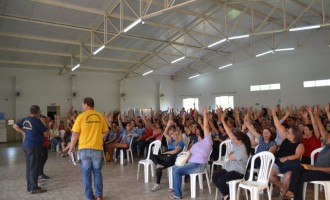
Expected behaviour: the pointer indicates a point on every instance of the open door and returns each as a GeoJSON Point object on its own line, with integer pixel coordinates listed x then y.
{"type": "Point", "coordinates": [53, 110]}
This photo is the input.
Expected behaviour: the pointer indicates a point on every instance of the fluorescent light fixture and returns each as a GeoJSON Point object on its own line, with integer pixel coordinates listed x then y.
{"type": "Point", "coordinates": [226, 66]}
{"type": "Point", "coordinates": [147, 72]}
{"type": "Point", "coordinates": [219, 42]}
{"type": "Point", "coordinates": [194, 76]}
{"type": "Point", "coordinates": [174, 61]}
{"type": "Point", "coordinates": [264, 53]}
{"type": "Point", "coordinates": [238, 37]}
{"type": "Point", "coordinates": [98, 50]}
{"type": "Point", "coordinates": [132, 25]}
{"type": "Point", "coordinates": [75, 67]}
{"type": "Point", "coordinates": [286, 49]}
{"type": "Point", "coordinates": [305, 28]}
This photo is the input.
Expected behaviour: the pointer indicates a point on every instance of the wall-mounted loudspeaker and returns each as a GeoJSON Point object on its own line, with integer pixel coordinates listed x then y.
{"type": "Point", "coordinates": [18, 94]}
{"type": "Point", "coordinates": [74, 94]}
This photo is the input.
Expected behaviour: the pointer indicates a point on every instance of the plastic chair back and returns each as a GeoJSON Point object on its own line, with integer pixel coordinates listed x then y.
{"type": "Point", "coordinates": [154, 147]}
{"type": "Point", "coordinates": [266, 163]}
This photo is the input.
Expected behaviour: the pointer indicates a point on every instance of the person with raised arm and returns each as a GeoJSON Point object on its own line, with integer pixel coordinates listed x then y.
{"type": "Point", "coordinates": [320, 171]}
{"type": "Point", "coordinates": [167, 159]}
{"type": "Point", "coordinates": [287, 157]}
{"type": "Point", "coordinates": [199, 155]}
{"type": "Point", "coordinates": [265, 140]}
{"type": "Point", "coordinates": [311, 135]}
{"type": "Point", "coordinates": [238, 158]}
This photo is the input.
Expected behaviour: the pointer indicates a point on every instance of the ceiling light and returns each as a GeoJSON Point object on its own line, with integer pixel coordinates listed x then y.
{"type": "Point", "coordinates": [132, 25]}
{"type": "Point", "coordinates": [98, 50]}
{"type": "Point", "coordinates": [305, 28]}
{"type": "Point", "coordinates": [174, 61]}
{"type": "Point", "coordinates": [219, 42]}
{"type": "Point", "coordinates": [286, 49]}
{"type": "Point", "coordinates": [75, 67]}
{"type": "Point", "coordinates": [264, 53]}
{"type": "Point", "coordinates": [147, 72]}
{"type": "Point", "coordinates": [194, 76]}
{"type": "Point", "coordinates": [226, 66]}
{"type": "Point", "coordinates": [238, 37]}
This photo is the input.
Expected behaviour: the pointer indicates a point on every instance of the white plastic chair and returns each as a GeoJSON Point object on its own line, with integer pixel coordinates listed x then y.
{"type": "Point", "coordinates": [154, 146]}
{"type": "Point", "coordinates": [222, 160]}
{"type": "Point", "coordinates": [233, 184]}
{"type": "Point", "coordinates": [317, 183]}
{"type": "Point", "coordinates": [266, 163]}
{"type": "Point", "coordinates": [128, 152]}
{"type": "Point", "coordinates": [200, 179]}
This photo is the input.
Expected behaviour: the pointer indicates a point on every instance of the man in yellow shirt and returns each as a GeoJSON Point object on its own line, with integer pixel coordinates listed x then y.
{"type": "Point", "coordinates": [90, 127]}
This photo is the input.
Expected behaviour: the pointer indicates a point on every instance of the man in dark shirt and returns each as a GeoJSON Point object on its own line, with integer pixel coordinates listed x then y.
{"type": "Point", "coordinates": [33, 132]}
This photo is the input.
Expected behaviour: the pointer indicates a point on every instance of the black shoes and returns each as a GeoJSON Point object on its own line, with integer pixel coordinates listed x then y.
{"type": "Point", "coordinates": [38, 190]}
{"type": "Point", "coordinates": [43, 177]}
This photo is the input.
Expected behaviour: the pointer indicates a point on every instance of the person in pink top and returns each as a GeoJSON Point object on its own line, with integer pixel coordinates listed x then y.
{"type": "Point", "coordinates": [199, 155]}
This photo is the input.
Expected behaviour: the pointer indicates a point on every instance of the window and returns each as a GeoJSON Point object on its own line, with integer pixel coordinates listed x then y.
{"type": "Point", "coordinates": [224, 101]}
{"type": "Point", "coordinates": [317, 83]}
{"type": "Point", "coordinates": [189, 103]}
{"type": "Point", "coordinates": [275, 86]}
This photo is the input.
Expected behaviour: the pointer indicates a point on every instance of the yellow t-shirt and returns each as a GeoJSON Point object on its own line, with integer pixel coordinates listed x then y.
{"type": "Point", "coordinates": [90, 125]}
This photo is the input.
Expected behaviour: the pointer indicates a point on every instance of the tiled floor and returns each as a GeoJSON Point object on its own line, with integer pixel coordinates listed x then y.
{"type": "Point", "coordinates": [66, 184]}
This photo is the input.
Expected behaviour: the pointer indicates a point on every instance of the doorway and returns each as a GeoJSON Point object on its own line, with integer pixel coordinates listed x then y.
{"type": "Point", "coordinates": [53, 110]}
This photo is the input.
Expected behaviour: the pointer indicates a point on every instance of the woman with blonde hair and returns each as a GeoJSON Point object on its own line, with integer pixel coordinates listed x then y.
{"type": "Point", "coordinates": [167, 159]}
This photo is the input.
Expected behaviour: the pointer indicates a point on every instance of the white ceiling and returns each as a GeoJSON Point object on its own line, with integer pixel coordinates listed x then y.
{"type": "Point", "coordinates": [58, 34]}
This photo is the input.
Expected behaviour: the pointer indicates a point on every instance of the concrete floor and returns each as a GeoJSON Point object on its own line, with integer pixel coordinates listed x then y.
{"type": "Point", "coordinates": [66, 183]}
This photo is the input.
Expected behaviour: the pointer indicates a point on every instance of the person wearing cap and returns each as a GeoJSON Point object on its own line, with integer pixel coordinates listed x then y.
{"type": "Point", "coordinates": [33, 132]}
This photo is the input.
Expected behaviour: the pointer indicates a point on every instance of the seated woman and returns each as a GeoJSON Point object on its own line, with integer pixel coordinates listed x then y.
{"type": "Point", "coordinates": [235, 167]}
{"type": "Point", "coordinates": [288, 156]}
{"type": "Point", "coordinates": [320, 171]}
{"type": "Point", "coordinates": [65, 144]}
{"type": "Point", "coordinates": [115, 135]}
{"type": "Point", "coordinates": [157, 131]}
{"type": "Point", "coordinates": [199, 155]}
{"type": "Point", "coordinates": [124, 142]}
{"type": "Point", "coordinates": [167, 159]}
{"type": "Point", "coordinates": [265, 141]}
{"type": "Point", "coordinates": [311, 139]}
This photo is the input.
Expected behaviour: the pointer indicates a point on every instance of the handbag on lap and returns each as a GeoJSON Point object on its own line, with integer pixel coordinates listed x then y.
{"type": "Point", "coordinates": [182, 158]}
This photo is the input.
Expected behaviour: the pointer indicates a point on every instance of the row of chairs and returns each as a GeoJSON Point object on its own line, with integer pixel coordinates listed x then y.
{"type": "Point", "coordinates": [267, 160]}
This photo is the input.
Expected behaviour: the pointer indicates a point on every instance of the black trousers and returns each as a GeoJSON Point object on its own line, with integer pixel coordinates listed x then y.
{"type": "Point", "coordinates": [42, 160]}
{"type": "Point", "coordinates": [300, 175]}
{"type": "Point", "coordinates": [165, 160]}
{"type": "Point", "coordinates": [32, 156]}
{"type": "Point", "coordinates": [221, 178]}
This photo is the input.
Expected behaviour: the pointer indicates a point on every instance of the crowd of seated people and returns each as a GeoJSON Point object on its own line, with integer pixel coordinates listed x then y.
{"type": "Point", "coordinates": [291, 134]}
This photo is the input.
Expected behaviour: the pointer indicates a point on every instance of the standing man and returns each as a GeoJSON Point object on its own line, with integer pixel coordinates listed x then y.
{"type": "Point", "coordinates": [33, 133]}
{"type": "Point", "coordinates": [90, 127]}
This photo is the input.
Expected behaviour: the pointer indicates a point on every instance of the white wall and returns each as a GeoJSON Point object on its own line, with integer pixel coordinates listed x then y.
{"type": "Point", "coordinates": [102, 87]}
{"type": "Point", "coordinates": [289, 69]}
{"type": "Point", "coordinates": [144, 92]}
{"type": "Point", "coordinates": [7, 96]}
{"type": "Point", "coordinates": [44, 88]}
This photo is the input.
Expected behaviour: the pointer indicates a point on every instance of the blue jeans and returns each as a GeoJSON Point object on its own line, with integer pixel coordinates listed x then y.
{"type": "Point", "coordinates": [32, 156]}
{"type": "Point", "coordinates": [178, 172]}
{"type": "Point", "coordinates": [91, 161]}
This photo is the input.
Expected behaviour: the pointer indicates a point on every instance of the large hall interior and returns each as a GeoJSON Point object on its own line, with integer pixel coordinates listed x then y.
{"type": "Point", "coordinates": [138, 57]}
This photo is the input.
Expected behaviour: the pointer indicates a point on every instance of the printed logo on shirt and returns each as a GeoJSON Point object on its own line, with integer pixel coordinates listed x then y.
{"type": "Point", "coordinates": [94, 118]}
{"type": "Point", "coordinates": [27, 125]}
